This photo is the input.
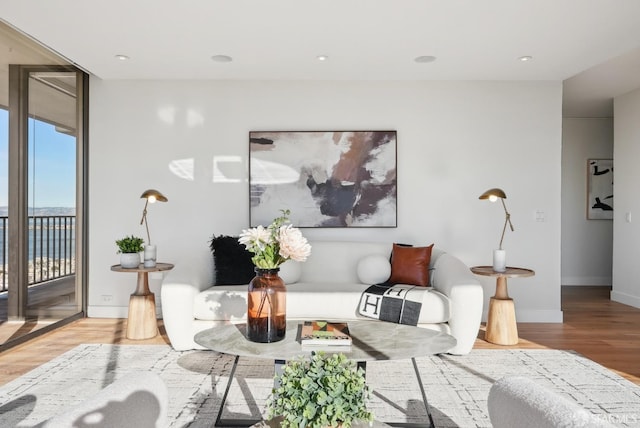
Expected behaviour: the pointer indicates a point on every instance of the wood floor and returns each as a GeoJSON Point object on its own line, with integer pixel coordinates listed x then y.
{"type": "Point", "coordinates": [48, 303]}
{"type": "Point", "coordinates": [604, 331]}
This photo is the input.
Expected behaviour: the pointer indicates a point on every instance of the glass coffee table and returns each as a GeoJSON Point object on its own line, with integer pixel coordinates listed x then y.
{"type": "Point", "coordinates": [371, 341]}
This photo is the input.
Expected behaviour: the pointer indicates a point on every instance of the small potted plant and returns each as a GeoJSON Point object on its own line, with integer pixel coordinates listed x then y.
{"type": "Point", "coordinates": [129, 249]}
{"type": "Point", "coordinates": [320, 391]}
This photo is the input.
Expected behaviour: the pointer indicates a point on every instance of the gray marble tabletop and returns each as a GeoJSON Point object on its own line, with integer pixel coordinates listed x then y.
{"type": "Point", "coordinates": [372, 340]}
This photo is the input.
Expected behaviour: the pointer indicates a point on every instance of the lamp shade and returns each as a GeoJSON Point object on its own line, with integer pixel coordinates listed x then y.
{"type": "Point", "coordinates": [153, 195]}
{"type": "Point", "coordinates": [495, 192]}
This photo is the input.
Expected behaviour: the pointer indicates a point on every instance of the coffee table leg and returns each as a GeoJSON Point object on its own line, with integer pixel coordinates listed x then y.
{"type": "Point", "coordinates": [424, 394]}
{"type": "Point", "coordinates": [278, 367]}
{"type": "Point", "coordinates": [220, 422]}
{"type": "Point", "coordinates": [424, 400]}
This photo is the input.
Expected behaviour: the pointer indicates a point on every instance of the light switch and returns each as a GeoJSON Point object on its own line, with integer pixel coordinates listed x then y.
{"type": "Point", "coordinates": [628, 217]}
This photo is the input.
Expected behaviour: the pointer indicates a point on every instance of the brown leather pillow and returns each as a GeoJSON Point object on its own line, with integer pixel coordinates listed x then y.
{"type": "Point", "coordinates": [410, 265]}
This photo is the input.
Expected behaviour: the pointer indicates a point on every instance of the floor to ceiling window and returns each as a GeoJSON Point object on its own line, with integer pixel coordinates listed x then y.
{"type": "Point", "coordinates": [43, 144]}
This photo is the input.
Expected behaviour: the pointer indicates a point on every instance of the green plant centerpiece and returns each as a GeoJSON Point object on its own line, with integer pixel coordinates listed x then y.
{"type": "Point", "coordinates": [320, 391]}
{"type": "Point", "coordinates": [130, 244]}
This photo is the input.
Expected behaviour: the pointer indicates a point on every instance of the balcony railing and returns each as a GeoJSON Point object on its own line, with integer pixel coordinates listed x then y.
{"type": "Point", "coordinates": [51, 250]}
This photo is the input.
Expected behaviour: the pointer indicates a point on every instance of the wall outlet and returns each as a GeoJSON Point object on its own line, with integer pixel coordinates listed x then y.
{"type": "Point", "coordinates": [107, 297]}
{"type": "Point", "coordinates": [540, 216]}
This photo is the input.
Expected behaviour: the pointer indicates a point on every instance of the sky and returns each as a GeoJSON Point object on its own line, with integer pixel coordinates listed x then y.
{"type": "Point", "coordinates": [52, 160]}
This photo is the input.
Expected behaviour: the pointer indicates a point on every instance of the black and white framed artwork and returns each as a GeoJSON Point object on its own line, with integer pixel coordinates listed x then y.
{"type": "Point", "coordinates": [325, 178]}
{"type": "Point", "coordinates": [600, 189]}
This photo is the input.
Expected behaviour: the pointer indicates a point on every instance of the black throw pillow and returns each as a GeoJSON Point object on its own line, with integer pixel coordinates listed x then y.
{"type": "Point", "coordinates": [232, 261]}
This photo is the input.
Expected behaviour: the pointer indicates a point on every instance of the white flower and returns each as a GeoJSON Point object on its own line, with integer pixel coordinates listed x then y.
{"type": "Point", "coordinates": [256, 238]}
{"type": "Point", "coordinates": [293, 245]}
{"type": "Point", "coordinates": [275, 244]}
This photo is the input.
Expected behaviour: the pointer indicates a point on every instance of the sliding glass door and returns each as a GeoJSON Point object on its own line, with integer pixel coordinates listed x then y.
{"type": "Point", "coordinates": [46, 180]}
{"type": "Point", "coordinates": [51, 200]}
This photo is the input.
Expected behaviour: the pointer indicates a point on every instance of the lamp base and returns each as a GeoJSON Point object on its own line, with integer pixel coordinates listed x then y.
{"type": "Point", "coordinates": [150, 253]}
{"type": "Point", "coordinates": [499, 260]}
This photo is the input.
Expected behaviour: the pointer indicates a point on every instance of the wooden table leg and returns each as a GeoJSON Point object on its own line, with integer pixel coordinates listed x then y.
{"type": "Point", "coordinates": [501, 322]}
{"type": "Point", "coordinates": [141, 322]}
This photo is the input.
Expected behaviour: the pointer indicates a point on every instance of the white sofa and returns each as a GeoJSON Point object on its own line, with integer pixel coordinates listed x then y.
{"type": "Point", "coordinates": [327, 286]}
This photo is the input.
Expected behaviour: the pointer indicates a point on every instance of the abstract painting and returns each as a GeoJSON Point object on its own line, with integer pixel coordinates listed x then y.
{"type": "Point", "coordinates": [600, 189]}
{"type": "Point", "coordinates": [325, 178]}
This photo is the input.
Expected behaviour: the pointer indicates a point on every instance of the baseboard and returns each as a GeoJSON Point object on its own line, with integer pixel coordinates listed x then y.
{"type": "Point", "coordinates": [625, 298]}
{"type": "Point", "coordinates": [114, 312]}
{"type": "Point", "coordinates": [586, 280]}
{"type": "Point", "coordinates": [537, 316]}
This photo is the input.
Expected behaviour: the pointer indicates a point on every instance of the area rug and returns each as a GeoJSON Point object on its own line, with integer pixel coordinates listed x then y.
{"type": "Point", "coordinates": [456, 386]}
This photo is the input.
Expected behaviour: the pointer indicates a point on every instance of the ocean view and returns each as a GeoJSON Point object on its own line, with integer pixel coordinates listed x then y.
{"type": "Point", "coordinates": [51, 233]}
{"type": "Point", "coordinates": [56, 247]}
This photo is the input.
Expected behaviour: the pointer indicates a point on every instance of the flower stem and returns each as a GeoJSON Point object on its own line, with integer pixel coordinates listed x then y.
{"type": "Point", "coordinates": [265, 296]}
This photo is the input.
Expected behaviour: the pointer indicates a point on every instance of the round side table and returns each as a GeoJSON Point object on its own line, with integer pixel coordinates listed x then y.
{"type": "Point", "coordinates": [501, 320]}
{"type": "Point", "coordinates": [141, 321]}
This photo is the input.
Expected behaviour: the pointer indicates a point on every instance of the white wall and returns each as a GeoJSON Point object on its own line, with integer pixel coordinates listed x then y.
{"type": "Point", "coordinates": [626, 235]}
{"type": "Point", "coordinates": [587, 245]}
{"type": "Point", "coordinates": [455, 140]}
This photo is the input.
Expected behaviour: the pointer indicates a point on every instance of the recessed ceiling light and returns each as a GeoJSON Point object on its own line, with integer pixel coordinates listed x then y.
{"type": "Point", "coordinates": [222, 58]}
{"type": "Point", "coordinates": [322, 57]}
{"type": "Point", "coordinates": [425, 58]}
{"type": "Point", "coordinates": [122, 57]}
{"type": "Point", "coordinates": [525, 58]}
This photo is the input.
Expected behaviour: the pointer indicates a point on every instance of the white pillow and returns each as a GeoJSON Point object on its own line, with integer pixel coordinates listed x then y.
{"type": "Point", "coordinates": [290, 271]}
{"type": "Point", "coordinates": [374, 269]}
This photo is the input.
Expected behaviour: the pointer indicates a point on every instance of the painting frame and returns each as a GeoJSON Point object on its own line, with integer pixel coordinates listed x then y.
{"type": "Point", "coordinates": [600, 189]}
{"type": "Point", "coordinates": [327, 179]}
